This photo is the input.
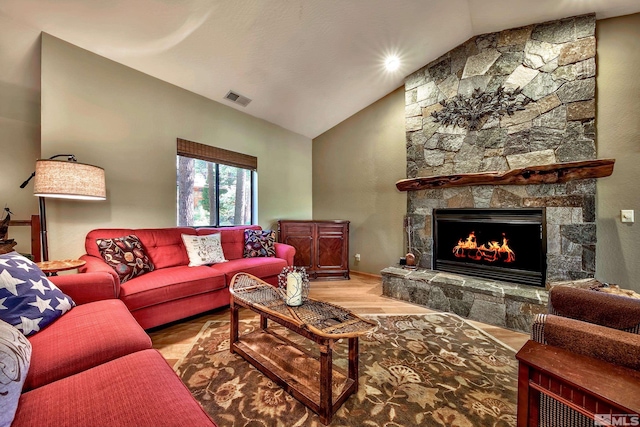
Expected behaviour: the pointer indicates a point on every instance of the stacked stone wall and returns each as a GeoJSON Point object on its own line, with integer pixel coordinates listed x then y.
{"type": "Point", "coordinates": [554, 66]}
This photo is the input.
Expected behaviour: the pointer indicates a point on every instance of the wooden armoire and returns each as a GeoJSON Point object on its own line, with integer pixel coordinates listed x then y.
{"type": "Point", "coordinates": [322, 247]}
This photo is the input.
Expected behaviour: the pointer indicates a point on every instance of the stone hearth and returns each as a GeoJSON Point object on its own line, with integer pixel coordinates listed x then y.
{"type": "Point", "coordinates": [496, 303]}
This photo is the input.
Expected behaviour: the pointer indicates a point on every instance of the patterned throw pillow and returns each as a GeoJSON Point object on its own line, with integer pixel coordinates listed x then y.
{"type": "Point", "coordinates": [203, 250]}
{"type": "Point", "coordinates": [15, 357]}
{"type": "Point", "coordinates": [126, 256]}
{"type": "Point", "coordinates": [28, 300]}
{"type": "Point", "coordinates": [259, 243]}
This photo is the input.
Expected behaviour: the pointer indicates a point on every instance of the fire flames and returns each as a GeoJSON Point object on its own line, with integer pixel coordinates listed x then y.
{"type": "Point", "coordinates": [491, 251]}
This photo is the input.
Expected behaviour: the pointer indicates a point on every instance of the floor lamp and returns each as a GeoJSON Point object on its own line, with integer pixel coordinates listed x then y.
{"type": "Point", "coordinates": [64, 179]}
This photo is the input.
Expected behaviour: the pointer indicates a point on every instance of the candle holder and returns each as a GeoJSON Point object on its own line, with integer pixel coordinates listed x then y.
{"type": "Point", "coordinates": [293, 283]}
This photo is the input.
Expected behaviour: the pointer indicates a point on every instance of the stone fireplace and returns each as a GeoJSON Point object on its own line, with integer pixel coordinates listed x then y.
{"type": "Point", "coordinates": [498, 102]}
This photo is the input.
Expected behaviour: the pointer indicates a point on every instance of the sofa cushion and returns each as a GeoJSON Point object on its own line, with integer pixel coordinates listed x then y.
{"type": "Point", "coordinates": [28, 300]}
{"type": "Point", "coordinates": [126, 256]}
{"type": "Point", "coordinates": [203, 250]}
{"type": "Point", "coordinates": [170, 284]}
{"type": "Point", "coordinates": [259, 243]}
{"type": "Point", "coordinates": [15, 354]}
{"type": "Point", "coordinates": [138, 389]}
{"type": "Point", "coordinates": [259, 267]}
{"type": "Point", "coordinates": [232, 238]}
{"type": "Point", "coordinates": [165, 246]}
{"type": "Point", "coordinates": [88, 335]}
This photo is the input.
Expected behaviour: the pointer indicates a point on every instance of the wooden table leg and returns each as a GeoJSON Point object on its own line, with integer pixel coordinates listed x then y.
{"type": "Point", "coordinates": [326, 372]}
{"type": "Point", "coordinates": [234, 326]}
{"type": "Point", "coordinates": [353, 360]}
{"type": "Point", "coordinates": [263, 322]}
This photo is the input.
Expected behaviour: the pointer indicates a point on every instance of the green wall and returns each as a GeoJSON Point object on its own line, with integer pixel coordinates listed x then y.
{"type": "Point", "coordinates": [355, 167]}
{"type": "Point", "coordinates": [618, 136]}
{"type": "Point", "coordinates": [19, 122]}
{"type": "Point", "coordinates": [127, 122]}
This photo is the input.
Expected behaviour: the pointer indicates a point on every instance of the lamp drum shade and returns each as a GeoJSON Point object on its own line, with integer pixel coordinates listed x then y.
{"type": "Point", "coordinates": [69, 180]}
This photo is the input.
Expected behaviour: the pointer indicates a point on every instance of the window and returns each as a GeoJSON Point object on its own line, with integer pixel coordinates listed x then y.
{"type": "Point", "coordinates": [214, 186]}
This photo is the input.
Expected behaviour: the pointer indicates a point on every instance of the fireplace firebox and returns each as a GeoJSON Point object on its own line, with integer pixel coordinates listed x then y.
{"type": "Point", "coordinates": [500, 244]}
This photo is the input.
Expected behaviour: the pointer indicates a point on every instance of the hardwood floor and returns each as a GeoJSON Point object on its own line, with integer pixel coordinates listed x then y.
{"type": "Point", "coordinates": [361, 294]}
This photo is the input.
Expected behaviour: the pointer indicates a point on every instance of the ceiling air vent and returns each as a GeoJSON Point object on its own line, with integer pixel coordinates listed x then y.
{"type": "Point", "coordinates": [237, 98]}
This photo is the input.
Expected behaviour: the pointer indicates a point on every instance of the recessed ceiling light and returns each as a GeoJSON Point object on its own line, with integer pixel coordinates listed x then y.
{"type": "Point", "coordinates": [392, 63]}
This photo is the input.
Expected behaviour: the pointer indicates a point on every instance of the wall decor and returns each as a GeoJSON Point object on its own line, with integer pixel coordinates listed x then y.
{"type": "Point", "coordinates": [471, 112]}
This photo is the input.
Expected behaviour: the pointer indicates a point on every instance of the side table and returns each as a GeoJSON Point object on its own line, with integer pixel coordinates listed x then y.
{"type": "Point", "coordinates": [51, 268]}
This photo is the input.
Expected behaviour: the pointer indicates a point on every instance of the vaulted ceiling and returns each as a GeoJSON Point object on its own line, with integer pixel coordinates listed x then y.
{"type": "Point", "coordinates": [306, 64]}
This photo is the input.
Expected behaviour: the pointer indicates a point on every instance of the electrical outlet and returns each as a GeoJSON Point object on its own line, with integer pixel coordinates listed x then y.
{"type": "Point", "coordinates": [626, 215]}
{"type": "Point", "coordinates": [357, 257]}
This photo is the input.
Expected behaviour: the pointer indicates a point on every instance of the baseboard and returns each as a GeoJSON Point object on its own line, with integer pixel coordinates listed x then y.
{"type": "Point", "coordinates": [361, 273]}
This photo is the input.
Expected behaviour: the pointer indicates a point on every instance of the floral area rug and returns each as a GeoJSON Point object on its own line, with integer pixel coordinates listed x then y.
{"type": "Point", "coordinates": [427, 370]}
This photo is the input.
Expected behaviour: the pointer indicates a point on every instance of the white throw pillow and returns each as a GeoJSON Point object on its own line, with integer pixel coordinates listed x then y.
{"type": "Point", "coordinates": [203, 250]}
{"type": "Point", "coordinates": [15, 357]}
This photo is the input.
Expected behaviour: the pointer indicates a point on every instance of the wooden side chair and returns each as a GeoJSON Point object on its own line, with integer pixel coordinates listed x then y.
{"type": "Point", "coordinates": [34, 223]}
{"type": "Point", "coordinates": [587, 320]}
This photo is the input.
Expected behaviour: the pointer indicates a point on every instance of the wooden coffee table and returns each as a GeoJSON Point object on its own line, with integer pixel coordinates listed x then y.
{"type": "Point", "coordinates": [314, 382]}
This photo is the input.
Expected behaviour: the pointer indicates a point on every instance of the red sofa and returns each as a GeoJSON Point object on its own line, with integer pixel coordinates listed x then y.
{"type": "Point", "coordinates": [174, 290]}
{"type": "Point", "coordinates": [95, 366]}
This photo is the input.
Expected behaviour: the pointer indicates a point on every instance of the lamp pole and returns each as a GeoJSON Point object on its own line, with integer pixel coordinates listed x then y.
{"type": "Point", "coordinates": [44, 242]}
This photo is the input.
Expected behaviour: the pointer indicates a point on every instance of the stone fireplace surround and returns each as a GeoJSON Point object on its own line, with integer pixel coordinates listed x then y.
{"type": "Point", "coordinates": [553, 64]}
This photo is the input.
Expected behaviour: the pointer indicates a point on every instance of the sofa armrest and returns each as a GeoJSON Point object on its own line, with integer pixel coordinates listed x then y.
{"type": "Point", "coordinates": [95, 265]}
{"type": "Point", "coordinates": [286, 252]}
{"type": "Point", "coordinates": [86, 287]}
{"type": "Point", "coordinates": [611, 345]}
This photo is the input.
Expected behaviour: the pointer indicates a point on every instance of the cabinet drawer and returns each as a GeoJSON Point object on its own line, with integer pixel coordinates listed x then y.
{"type": "Point", "coordinates": [303, 229]}
{"type": "Point", "coordinates": [331, 229]}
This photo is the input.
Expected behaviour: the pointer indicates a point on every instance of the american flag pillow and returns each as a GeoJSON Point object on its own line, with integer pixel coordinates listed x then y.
{"type": "Point", "coordinates": [28, 300]}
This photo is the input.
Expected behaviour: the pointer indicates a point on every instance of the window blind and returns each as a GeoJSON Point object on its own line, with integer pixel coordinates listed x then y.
{"type": "Point", "coordinates": [216, 155]}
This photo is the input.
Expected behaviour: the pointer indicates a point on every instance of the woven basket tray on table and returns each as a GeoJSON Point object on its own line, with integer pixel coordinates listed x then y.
{"type": "Point", "coordinates": [322, 318]}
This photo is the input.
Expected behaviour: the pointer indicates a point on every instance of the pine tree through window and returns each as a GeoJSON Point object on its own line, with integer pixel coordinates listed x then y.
{"type": "Point", "coordinates": [213, 189]}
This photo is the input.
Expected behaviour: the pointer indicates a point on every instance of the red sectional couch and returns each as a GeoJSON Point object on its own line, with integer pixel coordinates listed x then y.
{"type": "Point", "coordinates": [174, 290]}
{"type": "Point", "coordinates": [95, 366]}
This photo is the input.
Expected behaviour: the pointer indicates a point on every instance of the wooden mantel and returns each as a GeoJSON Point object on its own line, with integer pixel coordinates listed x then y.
{"type": "Point", "coordinates": [542, 174]}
